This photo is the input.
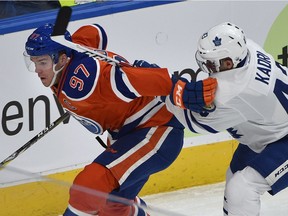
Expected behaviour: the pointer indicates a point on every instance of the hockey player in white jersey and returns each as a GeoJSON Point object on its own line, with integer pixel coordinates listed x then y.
{"type": "Point", "coordinates": [251, 104]}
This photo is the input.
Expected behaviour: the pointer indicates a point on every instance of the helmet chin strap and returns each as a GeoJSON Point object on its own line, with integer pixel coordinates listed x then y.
{"type": "Point", "coordinates": [55, 74]}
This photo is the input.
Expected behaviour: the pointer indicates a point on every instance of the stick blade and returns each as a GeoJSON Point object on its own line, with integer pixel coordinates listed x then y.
{"type": "Point", "coordinates": [62, 21]}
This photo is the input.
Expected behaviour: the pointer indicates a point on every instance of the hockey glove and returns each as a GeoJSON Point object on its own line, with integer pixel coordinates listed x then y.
{"type": "Point", "coordinates": [144, 64]}
{"type": "Point", "coordinates": [195, 96]}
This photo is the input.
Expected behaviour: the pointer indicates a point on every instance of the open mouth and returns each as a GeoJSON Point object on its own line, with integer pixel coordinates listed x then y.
{"type": "Point", "coordinates": [42, 78]}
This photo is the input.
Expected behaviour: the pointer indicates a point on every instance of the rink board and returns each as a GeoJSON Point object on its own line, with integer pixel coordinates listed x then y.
{"type": "Point", "coordinates": [196, 165]}
{"type": "Point", "coordinates": [165, 30]}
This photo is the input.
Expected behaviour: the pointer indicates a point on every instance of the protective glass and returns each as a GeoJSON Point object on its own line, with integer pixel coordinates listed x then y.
{"type": "Point", "coordinates": [52, 190]}
{"type": "Point", "coordinates": [36, 63]}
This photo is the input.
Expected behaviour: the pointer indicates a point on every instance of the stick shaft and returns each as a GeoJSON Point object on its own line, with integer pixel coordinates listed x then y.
{"type": "Point", "coordinates": [34, 139]}
{"type": "Point", "coordinates": [60, 28]}
{"type": "Point", "coordinates": [62, 21]}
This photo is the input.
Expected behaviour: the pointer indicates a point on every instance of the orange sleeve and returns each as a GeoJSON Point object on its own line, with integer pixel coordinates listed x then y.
{"type": "Point", "coordinates": [93, 36]}
{"type": "Point", "coordinates": [149, 81]}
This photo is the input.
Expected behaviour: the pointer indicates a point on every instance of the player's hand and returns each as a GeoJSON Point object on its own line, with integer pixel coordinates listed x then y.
{"type": "Point", "coordinates": [144, 64]}
{"type": "Point", "coordinates": [195, 96]}
{"type": "Point", "coordinates": [209, 90]}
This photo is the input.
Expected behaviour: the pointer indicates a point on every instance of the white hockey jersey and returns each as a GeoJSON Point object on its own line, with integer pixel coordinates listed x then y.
{"type": "Point", "coordinates": [251, 102]}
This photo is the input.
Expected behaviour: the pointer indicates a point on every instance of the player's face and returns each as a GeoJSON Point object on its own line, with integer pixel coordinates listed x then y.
{"type": "Point", "coordinates": [44, 68]}
{"type": "Point", "coordinates": [225, 64]}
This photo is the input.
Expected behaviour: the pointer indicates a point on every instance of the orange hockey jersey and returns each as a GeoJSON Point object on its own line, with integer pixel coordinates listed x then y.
{"type": "Point", "coordinates": [108, 97]}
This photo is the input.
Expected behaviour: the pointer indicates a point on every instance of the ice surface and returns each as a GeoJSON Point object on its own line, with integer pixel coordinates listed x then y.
{"type": "Point", "coordinates": [207, 201]}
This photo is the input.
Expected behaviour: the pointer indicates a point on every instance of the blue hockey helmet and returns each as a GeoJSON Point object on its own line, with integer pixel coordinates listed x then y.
{"type": "Point", "coordinates": [40, 43]}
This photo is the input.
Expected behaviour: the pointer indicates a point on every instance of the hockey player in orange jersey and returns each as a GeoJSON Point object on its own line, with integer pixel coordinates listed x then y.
{"type": "Point", "coordinates": [143, 136]}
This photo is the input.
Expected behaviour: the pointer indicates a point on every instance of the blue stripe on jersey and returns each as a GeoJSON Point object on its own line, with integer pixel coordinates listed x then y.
{"type": "Point", "coordinates": [188, 121]}
{"type": "Point", "coordinates": [122, 86]}
{"type": "Point", "coordinates": [104, 37]}
{"type": "Point", "coordinates": [205, 127]}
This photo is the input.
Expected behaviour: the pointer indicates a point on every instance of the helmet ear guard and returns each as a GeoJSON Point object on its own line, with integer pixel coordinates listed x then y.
{"type": "Point", "coordinates": [220, 42]}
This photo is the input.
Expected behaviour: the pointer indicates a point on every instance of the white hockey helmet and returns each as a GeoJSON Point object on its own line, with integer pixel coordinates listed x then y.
{"type": "Point", "coordinates": [220, 42]}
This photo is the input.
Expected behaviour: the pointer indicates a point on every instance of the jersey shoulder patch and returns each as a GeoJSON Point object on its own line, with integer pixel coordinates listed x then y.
{"type": "Point", "coordinates": [82, 77]}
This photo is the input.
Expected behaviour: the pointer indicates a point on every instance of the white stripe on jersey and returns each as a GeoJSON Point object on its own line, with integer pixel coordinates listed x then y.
{"type": "Point", "coordinates": [78, 212]}
{"type": "Point", "coordinates": [151, 113]}
{"type": "Point", "coordinates": [146, 157]}
{"type": "Point", "coordinates": [141, 112]}
{"type": "Point", "coordinates": [114, 87]}
{"type": "Point", "coordinates": [129, 85]}
{"type": "Point", "coordinates": [131, 151]}
{"type": "Point", "coordinates": [125, 79]}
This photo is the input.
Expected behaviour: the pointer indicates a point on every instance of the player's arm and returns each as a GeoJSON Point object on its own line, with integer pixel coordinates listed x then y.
{"type": "Point", "coordinates": [219, 120]}
{"type": "Point", "coordinates": [93, 36]}
{"type": "Point", "coordinates": [185, 94]}
{"type": "Point", "coordinates": [148, 81]}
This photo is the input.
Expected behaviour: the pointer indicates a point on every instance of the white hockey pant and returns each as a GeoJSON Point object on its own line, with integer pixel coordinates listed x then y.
{"type": "Point", "coordinates": [242, 192]}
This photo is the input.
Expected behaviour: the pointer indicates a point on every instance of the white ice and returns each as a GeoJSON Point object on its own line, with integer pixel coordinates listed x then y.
{"type": "Point", "coordinates": [207, 201]}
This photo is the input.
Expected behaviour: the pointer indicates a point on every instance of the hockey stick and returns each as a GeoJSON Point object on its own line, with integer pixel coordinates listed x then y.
{"type": "Point", "coordinates": [34, 140]}
{"type": "Point", "coordinates": [101, 142]}
{"type": "Point", "coordinates": [60, 27]}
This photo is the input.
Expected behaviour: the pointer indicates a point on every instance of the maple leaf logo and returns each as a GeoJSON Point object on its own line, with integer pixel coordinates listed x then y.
{"type": "Point", "coordinates": [217, 41]}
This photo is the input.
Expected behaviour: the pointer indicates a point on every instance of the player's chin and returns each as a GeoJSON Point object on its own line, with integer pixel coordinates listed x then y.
{"type": "Point", "coordinates": [45, 82]}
